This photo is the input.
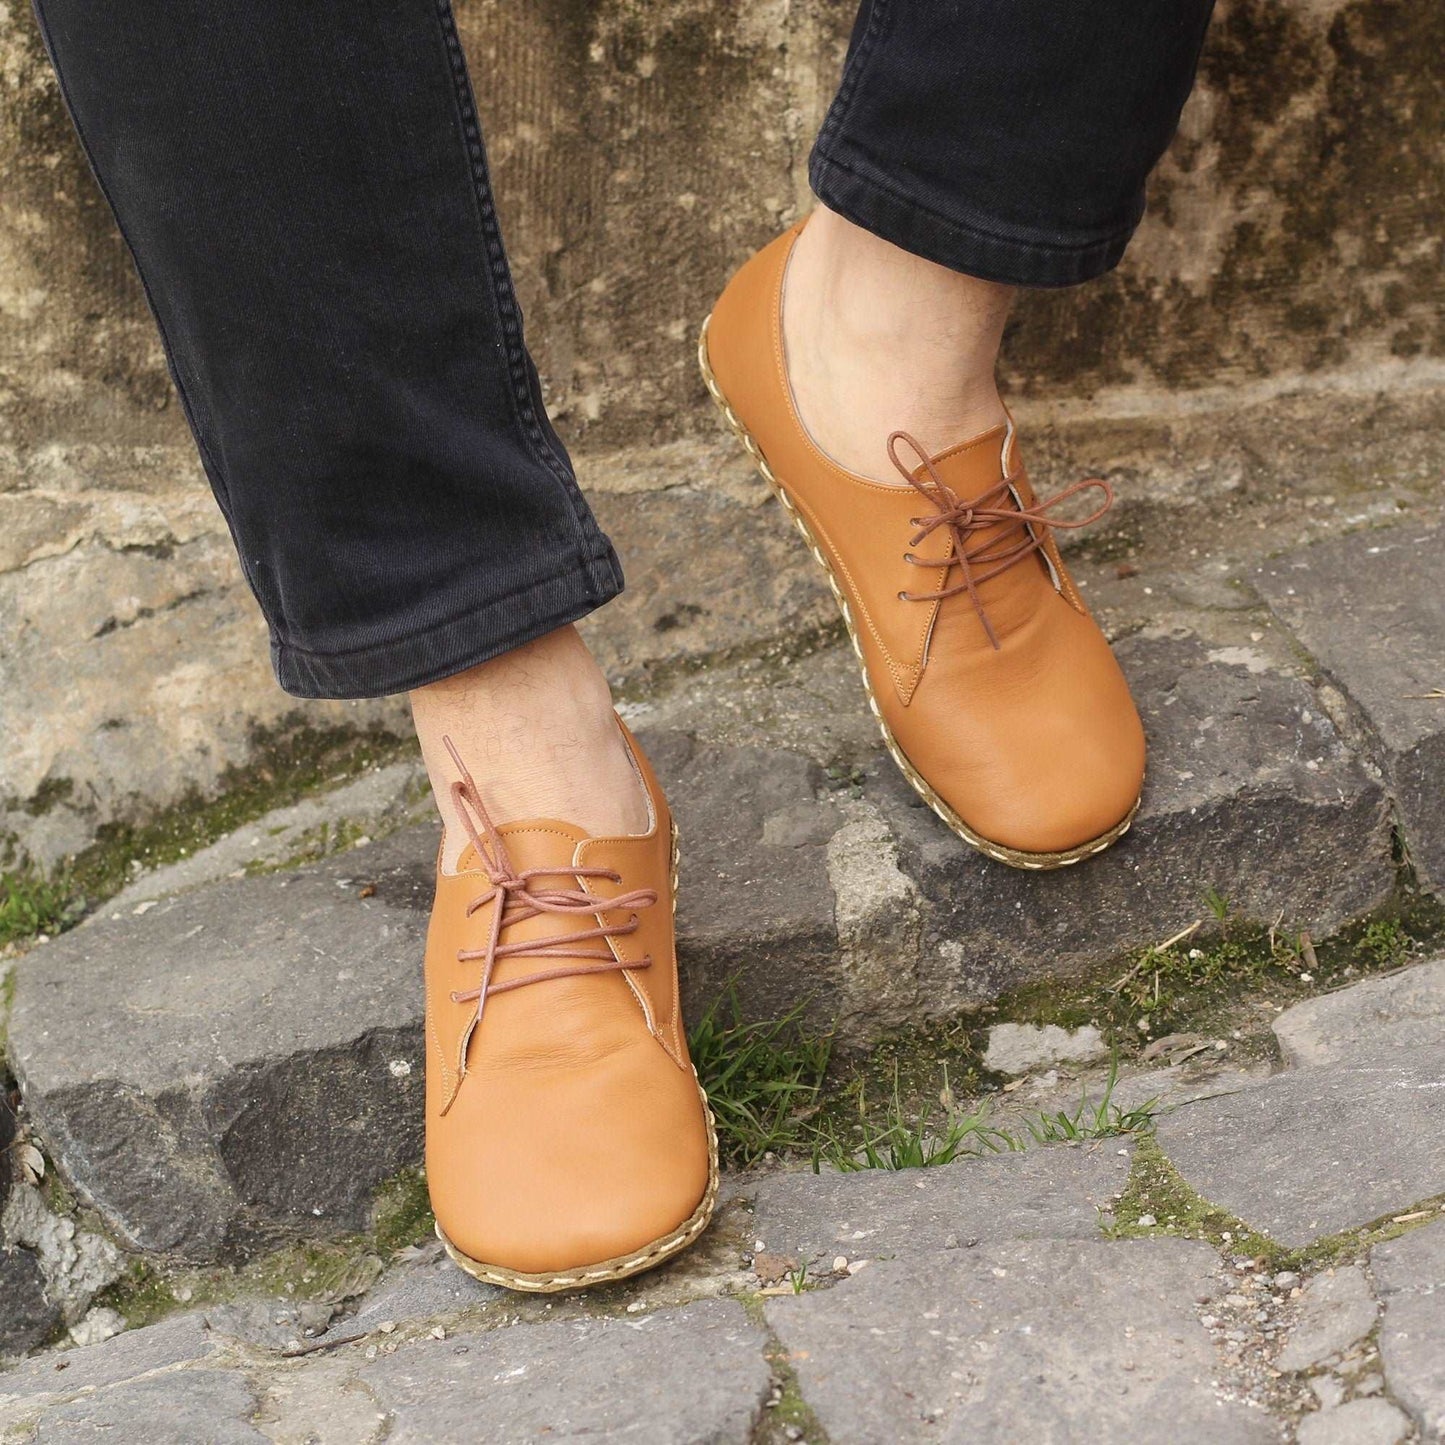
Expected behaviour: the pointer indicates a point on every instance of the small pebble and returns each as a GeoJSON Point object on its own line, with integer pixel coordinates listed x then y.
{"type": "Point", "coordinates": [439, 1333]}
{"type": "Point", "coordinates": [1147, 1221]}
{"type": "Point", "coordinates": [840, 1264]}
{"type": "Point", "coordinates": [950, 1241]}
{"type": "Point", "coordinates": [1286, 1279]}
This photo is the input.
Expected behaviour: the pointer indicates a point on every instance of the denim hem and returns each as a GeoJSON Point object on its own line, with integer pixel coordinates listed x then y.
{"type": "Point", "coordinates": [1011, 261]}
{"type": "Point", "coordinates": [492, 626]}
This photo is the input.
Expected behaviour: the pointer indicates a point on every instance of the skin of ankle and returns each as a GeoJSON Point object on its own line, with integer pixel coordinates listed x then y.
{"type": "Point", "coordinates": [536, 730]}
{"type": "Point", "coordinates": [880, 340]}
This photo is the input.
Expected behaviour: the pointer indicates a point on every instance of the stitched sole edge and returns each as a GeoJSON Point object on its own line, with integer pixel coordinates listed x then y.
{"type": "Point", "coordinates": [1014, 857]}
{"type": "Point", "coordinates": [607, 1270]}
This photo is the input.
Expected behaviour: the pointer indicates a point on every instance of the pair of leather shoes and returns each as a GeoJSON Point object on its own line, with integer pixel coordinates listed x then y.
{"type": "Point", "coordinates": [568, 1139]}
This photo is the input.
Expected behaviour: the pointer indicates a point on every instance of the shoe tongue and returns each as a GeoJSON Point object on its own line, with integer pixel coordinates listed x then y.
{"type": "Point", "coordinates": [970, 470]}
{"type": "Point", "coordinates": [973, 467]}
{"type": "Point", "coordinates": [533, 843]}
{"type": "Point", "coordinates": [540, 843]}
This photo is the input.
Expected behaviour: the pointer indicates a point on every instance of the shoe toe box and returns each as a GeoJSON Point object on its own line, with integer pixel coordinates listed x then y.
{"type": "Point", "coordinates": [560, 1168]}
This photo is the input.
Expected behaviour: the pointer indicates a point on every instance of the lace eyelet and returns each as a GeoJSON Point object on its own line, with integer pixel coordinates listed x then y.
{"type": "Point", "coordinates": [455, 998]}
{"type": "Point", "coordinates": [905, 597]}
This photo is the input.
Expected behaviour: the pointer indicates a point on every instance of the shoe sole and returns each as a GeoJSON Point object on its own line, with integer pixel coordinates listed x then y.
{"type": "Point", "coordinates": [1014, 857]}
{"type": "Point", "coordinates": [623, 1266]}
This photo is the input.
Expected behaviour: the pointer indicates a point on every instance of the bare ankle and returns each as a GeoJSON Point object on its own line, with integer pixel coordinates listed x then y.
{"type": "Point", "coordinates": [878, 339]}
{"type": "Point", "coordinates": [536, 729]}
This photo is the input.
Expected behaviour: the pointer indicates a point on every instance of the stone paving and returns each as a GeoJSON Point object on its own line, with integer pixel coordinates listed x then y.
{"type": "Point", "coordinates": [997, 1298]}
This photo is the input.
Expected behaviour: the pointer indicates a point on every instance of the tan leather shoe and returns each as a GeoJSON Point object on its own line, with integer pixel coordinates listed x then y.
{"type": "Point", "coordinates": [996, 692]}
{"type": "Point", "coordinates": [568, 1141]}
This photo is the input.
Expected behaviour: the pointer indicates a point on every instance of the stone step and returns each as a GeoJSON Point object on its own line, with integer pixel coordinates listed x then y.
{"type": "Point", "coordinates": [244, 1059]}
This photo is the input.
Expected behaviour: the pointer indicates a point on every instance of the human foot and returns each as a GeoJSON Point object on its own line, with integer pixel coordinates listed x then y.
{"type": "Point", "coordinates": [537, 729]}
{"type": "Point", "coordinates": [996, 692]}
{"type": "Point", "coordinates": [568, 1140]}
{"type": "Point", "coordinates": [878, 340]}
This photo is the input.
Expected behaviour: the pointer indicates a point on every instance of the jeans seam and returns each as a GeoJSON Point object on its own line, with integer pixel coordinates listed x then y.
{"type": "Point", "coordinates": [968, 228]}
{"type": "Point", "coordinates": [847, 87]}
{"type": "Point", "coordinates": [503, 291]}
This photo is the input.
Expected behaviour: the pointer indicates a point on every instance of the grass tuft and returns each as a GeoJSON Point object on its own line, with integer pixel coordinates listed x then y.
{"type": "Point", "coordinates": [31, 905]}
{"type": "Point", "coordinates": [899, 1137]}
{"type": "Point", "coordinates": [762, 1079]}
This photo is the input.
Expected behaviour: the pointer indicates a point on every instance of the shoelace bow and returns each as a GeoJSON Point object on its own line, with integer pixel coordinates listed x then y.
{"type": "Point", "coordinates": [998, 506]}
{"type": "Point", "coordinates": [519, 898]}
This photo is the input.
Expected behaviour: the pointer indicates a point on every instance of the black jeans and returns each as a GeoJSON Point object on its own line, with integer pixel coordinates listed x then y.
{"type": "Point", "coordinates": [303, 187]}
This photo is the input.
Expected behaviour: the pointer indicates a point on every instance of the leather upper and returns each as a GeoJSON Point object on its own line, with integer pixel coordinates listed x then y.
{"type": "Point", "coordinates": [577, 1133]}
{"type": "Point", "coordinates": [1035, 743]}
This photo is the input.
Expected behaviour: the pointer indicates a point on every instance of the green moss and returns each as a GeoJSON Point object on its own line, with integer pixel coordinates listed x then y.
{"type": "Point", "coordinates": [143, 1294]}
{"type": "Point", "coordinates": [776, 656]}
{"type": "Point", "coordinates": [402, 1213]}
{"type": "Point", "coordinates": [1212, 980]}
{"type": "Point", "coordinates": [315, 843]}
{"type": "Point", "coordinates": [48, 795]}
{"type": "Point", "coordinates": [1156, 1190]}
{"type": "Point", "coordinates": [913, 1135]}
{"type": "Point", "coordinates": [336, 1269]}
{"type": "Point", "coordinates": [32, 905]}
{"type": "Point", "coordinates": [787, 1411]}
{"type": "Point", "coordinates": [287, 764]}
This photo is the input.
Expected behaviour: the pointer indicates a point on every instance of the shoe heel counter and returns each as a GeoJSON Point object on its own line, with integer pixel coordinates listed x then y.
{"type": "Point", "coordinates": [743, 341]}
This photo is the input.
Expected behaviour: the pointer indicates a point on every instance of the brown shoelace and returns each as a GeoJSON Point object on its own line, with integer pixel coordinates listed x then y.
{"type": "Point", "coordinates": [519, 898]}
{"type": "Point", "coordinates": [997, 507]}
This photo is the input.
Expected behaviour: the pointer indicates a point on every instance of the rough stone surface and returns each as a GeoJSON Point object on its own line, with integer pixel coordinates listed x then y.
{"type": "Point", "coordinates": [1336, 1310]}
{"type": "Point", "coordinates": [75, 1262]}
{"type": "Point", "coordinates": [432, 1290]}
{"type": "Point", "coordinates": [1404, 1010]}
{"type": "Point", "coordinates": [1410, 1274]}
{"type": "Point", "coordinates": [209, 1405]}
{"type": "Point", "coordinates": [169, 1345]}
{"type": "Point", "coordinates": [1308, 1154]}
{"type": "Point", "coordinates": [1040, 1194]}
{"type": "Point", "coordinates": [97, 1326]}
{"type": "Point", "coordinates": [372, 805]}
{"type": "Point", "coordinates": [229, 1063]}
{"type": "Point", "coordinates": [1245, 769]}
{"type": "Point", "coordinates": [1018, 1048]}
{"type": "Point", "coordinates": [1370, 610]}
{"type": "Point", "coordinates": [1357, 1422]}
{"type": "Point", "coordinates": [28, 1316]}
{"type": "Point", "coordinates": [671, 1378]}
{"type": "Point", "coordinates": [1080, 1340]}
{"type": "Point", "coordinates": [321, 1405]}
{"type": "Point", "coordinates": [755, 907]}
